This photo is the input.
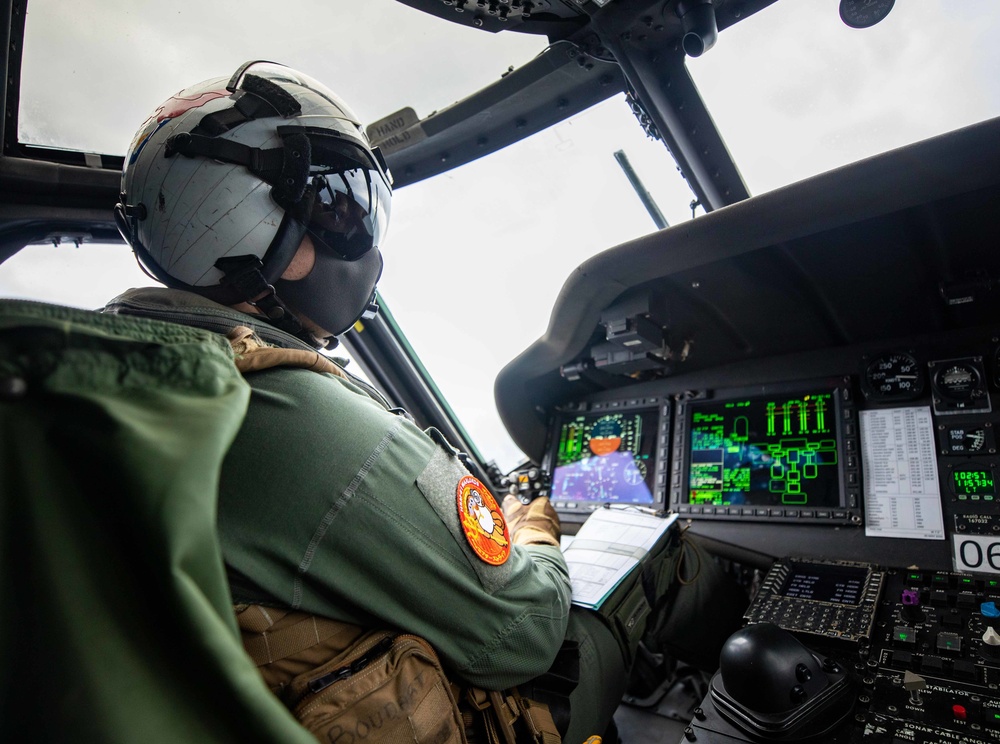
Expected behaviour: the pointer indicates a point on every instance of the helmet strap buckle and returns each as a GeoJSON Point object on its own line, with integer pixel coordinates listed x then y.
{"type": "Point", "coordinates": [245, 275]}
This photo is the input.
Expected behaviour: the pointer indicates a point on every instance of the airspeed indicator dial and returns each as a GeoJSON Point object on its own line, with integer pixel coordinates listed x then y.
{"type": "Point", "coordinates": [893, 377]}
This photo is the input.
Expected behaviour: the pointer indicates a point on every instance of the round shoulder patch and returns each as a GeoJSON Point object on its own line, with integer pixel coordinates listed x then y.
{"type": "Point", "coordinates": [482, 521]}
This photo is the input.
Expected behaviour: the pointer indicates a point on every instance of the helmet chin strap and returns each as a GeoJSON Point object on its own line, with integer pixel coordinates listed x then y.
{"type": "Point", "coordinates": [243, 273]}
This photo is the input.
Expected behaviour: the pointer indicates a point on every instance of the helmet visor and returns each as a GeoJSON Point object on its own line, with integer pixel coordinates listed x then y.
{"type": "Point", "coordinates": [351, 190]}
{"type": "Point", "coordinates": [350, 211]}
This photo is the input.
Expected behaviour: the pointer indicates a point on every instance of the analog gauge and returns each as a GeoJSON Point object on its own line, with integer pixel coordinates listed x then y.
{"type": "Point", "coordinates": [959, 386]}
{"type": "Point", "coordinates": [967, 440]}
{"type": "Point", "coordinates": [957, 380]}
{"type": "Point", "coordinates": [975, 439]}
{"type": "Point", "coordinates": [894, 377]}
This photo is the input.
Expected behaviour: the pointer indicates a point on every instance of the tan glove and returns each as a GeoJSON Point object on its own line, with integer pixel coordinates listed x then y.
{"type": "Point", "coordinates": [532, 524]}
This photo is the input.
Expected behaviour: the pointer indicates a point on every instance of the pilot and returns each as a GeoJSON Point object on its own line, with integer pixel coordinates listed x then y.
{"type": "Point", "coordinates": [261, 205]}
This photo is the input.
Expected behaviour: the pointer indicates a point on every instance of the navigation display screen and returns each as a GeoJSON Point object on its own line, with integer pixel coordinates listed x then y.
{"type": "Point", "coordinates": [765, 451]}
{"type": "Point", "coordinates": [606, 457]}
{"type": "Point", "coordinates": [819, 583]}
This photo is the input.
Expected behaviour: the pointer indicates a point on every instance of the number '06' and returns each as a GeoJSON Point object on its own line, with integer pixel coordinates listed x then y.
{"type": "Point", "coordinates": [972, 554]}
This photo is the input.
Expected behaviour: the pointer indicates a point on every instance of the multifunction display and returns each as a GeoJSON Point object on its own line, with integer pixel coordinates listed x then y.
{"type": "Point", "coordinates": [774, 451]}
{"type": "Point", "coordinates": [825, 583]}
{"type": "Point", "coordinates": [606, 457]}
{"type": "Point", "coordinates": [832, 599]}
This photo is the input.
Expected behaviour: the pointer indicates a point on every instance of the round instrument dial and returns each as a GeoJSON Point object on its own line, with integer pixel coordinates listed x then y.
{"type": "Point", "coordinates": [967, 440]}
{"type": "Point", "coordinates": [893, 377]}
{"type": "Point", "coordinates": [958, 381]}
{"type": "Point", "coordinates": [635, 473]}
{"type": "Point", "coordinates": [975, 439]}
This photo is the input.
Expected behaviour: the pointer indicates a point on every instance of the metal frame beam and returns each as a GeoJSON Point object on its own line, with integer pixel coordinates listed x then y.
{"type": "Point", "coordinates": [668, 96]}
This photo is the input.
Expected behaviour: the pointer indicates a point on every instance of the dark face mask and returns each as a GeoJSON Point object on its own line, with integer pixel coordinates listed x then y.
{"type": "Point", "coordinates": [344, 209]}
{"type": "Point", "coordinates": [337, 292]}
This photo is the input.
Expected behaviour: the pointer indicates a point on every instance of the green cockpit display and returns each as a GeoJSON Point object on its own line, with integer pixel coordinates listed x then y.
{"type": "Point", "coordinates": [779, 451]}
{"type": "Point", "coordinates": [606, 457]}
{"type": "Point", "coordinates": [974, 483]}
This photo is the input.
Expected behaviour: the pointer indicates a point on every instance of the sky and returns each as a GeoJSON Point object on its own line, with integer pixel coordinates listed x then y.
{"type": "Point", "coordinates": [476, 257]}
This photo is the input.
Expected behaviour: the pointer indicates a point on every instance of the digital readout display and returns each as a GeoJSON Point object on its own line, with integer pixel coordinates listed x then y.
{"type": "Point", "coordinates": [977, 482]}
{"type": "Point", "coordinates": [606, 457]}
{"type": "Point", "coordinates": [776, 451]}
{"type": "Point", "coordinates": [820, 583]}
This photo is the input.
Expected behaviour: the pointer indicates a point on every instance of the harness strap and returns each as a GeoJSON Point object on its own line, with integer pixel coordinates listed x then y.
{"type": "Point", "coordinates": [505, 714]}
{"type": "Point", "coordinates": [508, 718]}
{"type": "Point", "coordinates": [253, 355]}
{"type": "Point", "coordinates": [264, 163]}
{"type": "Point", "coordinates": [265, 643]}
{"type": "Point", "coordinates": [244, 274]}
{"type": "Point", "coordinates": [539, 722]}
{"type": "Point", "coordinates": [286, 168]}
{"type": "Point", "coordinates": [259, 98]}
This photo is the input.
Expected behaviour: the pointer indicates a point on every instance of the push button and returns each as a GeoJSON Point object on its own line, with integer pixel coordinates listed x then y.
{"type": "Point", "coordinates": [951, 621]}
{"type": "Point", "coordinates": [949, 642]}
{"type": "Point", "coordinates": [932, 665]}
{"type": "Point", "coordinates": [967, 600]}
{"type": "Point", "coordinates": [965, 670]}
{"type": "Point", "coordinates": [902, 660]}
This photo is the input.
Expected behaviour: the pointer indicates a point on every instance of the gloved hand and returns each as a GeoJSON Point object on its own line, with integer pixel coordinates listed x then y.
{"type": "Point", "coordinates": [532, 524]}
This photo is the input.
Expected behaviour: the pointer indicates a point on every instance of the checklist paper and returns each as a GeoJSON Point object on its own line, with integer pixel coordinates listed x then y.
{"type": "Point", "coordinates": [610, 544]}
{"type": "Point", "coordinates": [902, 491]}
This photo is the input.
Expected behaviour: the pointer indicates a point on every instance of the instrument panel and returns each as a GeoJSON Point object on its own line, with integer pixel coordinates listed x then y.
{"type": "Point", "coordinates": [887, 454]}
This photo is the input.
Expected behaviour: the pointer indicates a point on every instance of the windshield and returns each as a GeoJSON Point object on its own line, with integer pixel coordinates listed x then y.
{"type": "Point", "coordinates": [796, 92]}
{"type": "Point", "coordinates": [475, 257]}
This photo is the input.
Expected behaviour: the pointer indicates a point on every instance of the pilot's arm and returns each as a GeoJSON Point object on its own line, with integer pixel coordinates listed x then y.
{"type": "Point", "coordinates": [332, 505]}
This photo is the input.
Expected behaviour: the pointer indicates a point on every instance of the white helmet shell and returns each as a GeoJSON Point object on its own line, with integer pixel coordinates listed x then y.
{"type": "Point", "coordinates": [231, 194]}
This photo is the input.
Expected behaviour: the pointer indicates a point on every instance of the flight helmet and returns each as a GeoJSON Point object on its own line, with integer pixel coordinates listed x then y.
{"type": "Point", "coordinates": [226, 178]}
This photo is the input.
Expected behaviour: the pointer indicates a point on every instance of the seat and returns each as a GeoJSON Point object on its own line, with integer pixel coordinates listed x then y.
{"type": "Point", "coordinates": [116, 623]}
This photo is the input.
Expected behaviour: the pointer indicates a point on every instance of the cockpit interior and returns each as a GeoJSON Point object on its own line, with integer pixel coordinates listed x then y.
{"type": "Point", "coordinates": [807, 377]}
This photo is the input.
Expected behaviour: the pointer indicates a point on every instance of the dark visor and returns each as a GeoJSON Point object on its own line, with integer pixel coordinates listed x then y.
{"type": "Point", "coordinates": [351, 194]}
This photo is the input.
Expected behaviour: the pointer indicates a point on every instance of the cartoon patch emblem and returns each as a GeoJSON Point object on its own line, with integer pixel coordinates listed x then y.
{"type": "Point", "coordinates": [482, 521]}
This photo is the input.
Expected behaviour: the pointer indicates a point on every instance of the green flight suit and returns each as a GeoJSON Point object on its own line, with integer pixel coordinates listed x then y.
{"type": "Point", "coordinates": [332, 504]}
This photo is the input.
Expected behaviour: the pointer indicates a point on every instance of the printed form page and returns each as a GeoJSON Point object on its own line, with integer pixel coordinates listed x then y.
{"type": "Point", "coordinates": [902, 492]}
{"type": "Point", "coordinates": [609, 545]}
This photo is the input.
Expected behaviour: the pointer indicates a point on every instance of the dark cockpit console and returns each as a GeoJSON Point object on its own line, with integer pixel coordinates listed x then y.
{"type": "Point", "coordinates": [771, 453]}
